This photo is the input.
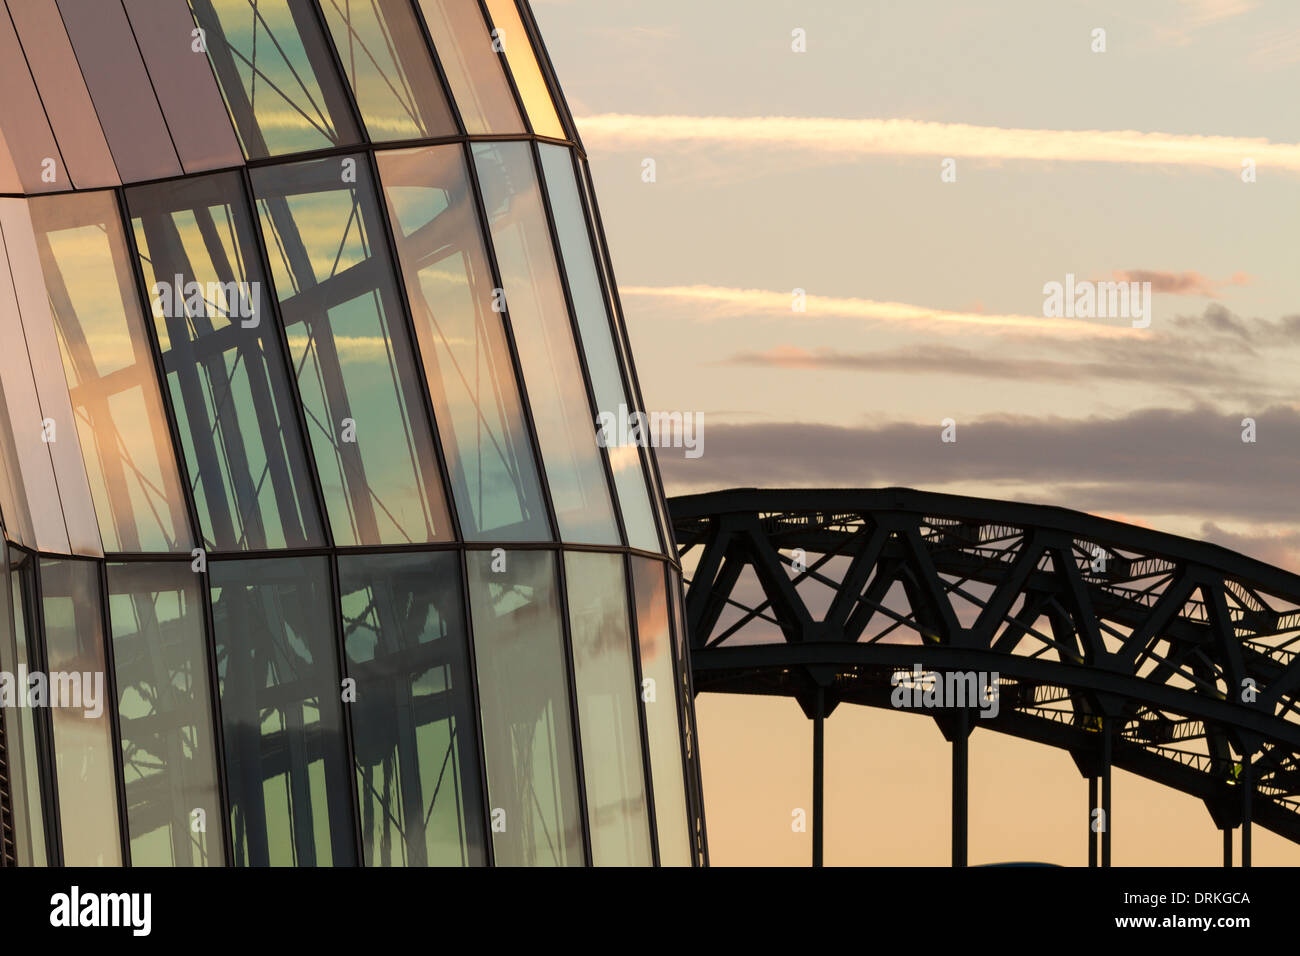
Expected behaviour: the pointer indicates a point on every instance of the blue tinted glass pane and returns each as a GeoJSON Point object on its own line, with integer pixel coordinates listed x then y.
{"type": "Point", "coordinates": [286, 758]}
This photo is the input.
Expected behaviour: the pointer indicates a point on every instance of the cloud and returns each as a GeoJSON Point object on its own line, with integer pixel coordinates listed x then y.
{"type": "Point", "coordinates": [722, 302]}
{"type": "Point", "coordinates": [1278, 548]}
{"type": "Point", "coordinates": [1153, 461]}
{"type": "Point", "coordinates": [1151, 362]}
{"type": "Point", "coordinates": [1180, 283]}
{"type": "Point", "coordinates": [907, 137]}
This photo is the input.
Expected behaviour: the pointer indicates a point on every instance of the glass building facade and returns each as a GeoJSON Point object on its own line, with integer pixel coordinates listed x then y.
{"type": "Point", "coordinates": [311, 554]}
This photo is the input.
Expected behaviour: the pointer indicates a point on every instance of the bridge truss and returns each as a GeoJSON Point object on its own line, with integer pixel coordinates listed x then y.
{"type": "Point", "coordinates": [1171, 658]}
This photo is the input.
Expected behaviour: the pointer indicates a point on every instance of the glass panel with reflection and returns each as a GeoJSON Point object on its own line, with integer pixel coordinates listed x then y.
{"type": "Point", "coordinates": [386, 61]}
{"type": "Point", "coordinates": [654, 637]}
{"type": "Point", "coordinates": [518, 49]}
{"type": "Point", "coordinates": [524, 699]}
{"type": "Point", "coordinates": [83, 732]}
{"type": "Point", "coordinates": [597, 342]}
{"type": "Point", "coordinates": [224, 363]}
{"type": "Point", "coordinates": [110, 373]}
{"type": "Point", "coordinates": [608, 721]}
{"type": "Point", "coordinates": [463, 343]}
{"type": "Point", "coordinates": [277, 74]}
{"type": "Point", "coordinates": [164, 714]}
{"type": "Point", "coordinates": [539, 318]}
{"type": "Point", "coordinates": [281, 713]}
{"type": "Point", "coordinates": [342, 310]}
{"type": "Point", "coordinates": [474, 72]}
{"type": "Point", "coordinates": [25, 728]}
{"type": "Point", "coordinates": [413, 727]}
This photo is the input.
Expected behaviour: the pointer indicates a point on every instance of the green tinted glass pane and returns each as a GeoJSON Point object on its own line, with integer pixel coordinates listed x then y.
{"type": "Point", "coordinates": [165, 716]}
{"type": "Point", "coordinates": [281, 713]}
{"type": "Point", "coordinates": [341, 308]}
{"type": "Point", "coordinates": [608, 722]}
{"type": "Point", "coordinates": [463, 343]}
{"type": "Point", "coordinates": [225, 366]}
{"type": "Point", "coordinates": [387, 63]}
{"type": "Point", "coordinates": [83, 732]}
{"type": "Point", "coordinates": [539, 318]}
{"type": "Point", "coordinates": [654, 638]}
{"type": "Point", "coordinates": [108, 363]}
{"type": "Point", "coordinates": [598, 344]}
{"type": "Point", "coordinates": [277, 75]}
{"type": "Point", "coordinates": [523, 694]}
{"type": "Point", "coordinates": [418, 783]}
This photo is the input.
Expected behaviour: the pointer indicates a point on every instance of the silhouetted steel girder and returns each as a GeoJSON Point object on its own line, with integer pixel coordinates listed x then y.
{"type": "Point", "coordinates": [1156, 633]}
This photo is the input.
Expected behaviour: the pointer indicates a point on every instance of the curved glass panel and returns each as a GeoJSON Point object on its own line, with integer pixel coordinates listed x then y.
{"type": "Point", "coordinates": [277, 74]}
{"type": "Point", "coordinates": [286, 759]}
{"type": "Point", "coordinates": [164, 714]}
{"type": "Point", "coordinates": [474, 71]}
{"type": "Point", "coordinates": [23, 726]}
{"type": "Point", "coordinates": [36, 389]}
{"type": "Point", "coordinates": [655, 641]}
{"type": "Point", "coordinates": [110, 373]}
{"type": "Point", "coordinates": [418, 783]}
{"type": "Point", "coordinates": [224, 363]}
{"type": "Point", "coordinates": [463, 343]}
{"type": "Point", "coordinates": [598, 343]}
{"type": "Point", "coordinates": [387, 63]}
{"type": "Point", "coordinates": [608, 722]}
{"type": "Point", "coordinates": [513, 39]}
{"type": "Point", "coordinates": [356, 374]}
{"type": "Point", "coordinates": [539, 318]}
{"type": "Point", "coordinates": [83, 732]}
{"type": "Point", "coordinates": [524, 698]}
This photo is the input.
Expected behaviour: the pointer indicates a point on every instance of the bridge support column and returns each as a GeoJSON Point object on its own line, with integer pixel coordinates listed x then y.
{"type": "Point", "coordinates": [1092, 813]}
{"type": "Point", "coordinates": [960, 768]}
{"type": "Point", "coordinates": [1247, 790]}
{"type": "Point", "coordinates": [1105, 791]}
{"type": "Point", "coordinates": [1227, 847]}
{"type": "Point", "coordinates": [819, 781]}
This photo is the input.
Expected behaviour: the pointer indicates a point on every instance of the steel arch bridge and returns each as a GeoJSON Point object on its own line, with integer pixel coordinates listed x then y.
{"type": "Point", "coordinates": [1171, 658]}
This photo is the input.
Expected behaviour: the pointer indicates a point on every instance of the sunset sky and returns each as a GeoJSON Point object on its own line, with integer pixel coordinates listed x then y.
{"type": "Point", "coordinates": [777, 170]}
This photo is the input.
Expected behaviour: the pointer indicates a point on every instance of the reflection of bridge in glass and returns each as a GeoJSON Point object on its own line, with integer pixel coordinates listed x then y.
{"type": "Point", "coordinates": [1171, 658]}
